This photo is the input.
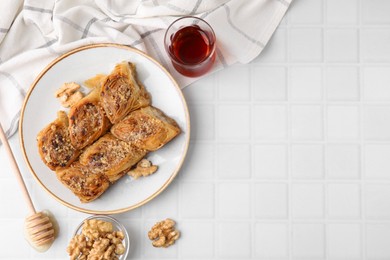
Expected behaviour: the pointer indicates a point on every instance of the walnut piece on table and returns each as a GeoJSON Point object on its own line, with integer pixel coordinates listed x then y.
{"type": "Point", "coordinates": [69, 94]}
{"type": "Point", "coordinates": [163, 233]}
{"type": "Point", "coordinates": [143, 168]}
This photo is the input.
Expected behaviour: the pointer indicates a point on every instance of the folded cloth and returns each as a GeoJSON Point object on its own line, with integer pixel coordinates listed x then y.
{"type": "Point", "coordinates": [34, 32]}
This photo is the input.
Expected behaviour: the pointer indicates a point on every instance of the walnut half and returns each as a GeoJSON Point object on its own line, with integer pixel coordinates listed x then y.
{"type": "Point", "coordinates": [69, 94]}
{"type": "Point", "coordinates": [143, 168]}
{"type": "Point", "coordinates": [163, 233]}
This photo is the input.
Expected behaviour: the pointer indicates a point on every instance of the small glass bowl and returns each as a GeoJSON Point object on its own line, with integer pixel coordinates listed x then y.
{"type": "Point", "coordinates": [117, 226]}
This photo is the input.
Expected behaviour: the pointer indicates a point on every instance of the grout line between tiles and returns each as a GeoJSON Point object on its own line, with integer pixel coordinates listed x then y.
{"type": "Point", "coordinates": [215, 165]}
{"type": "Point", "coordinates": [363, 231]}
{"type": "Point", "coordinates": [289, 153]}
{"type": "Point", "coordinates": [252, 168]}
{"type": "Point", "coordinates": [324, 132]}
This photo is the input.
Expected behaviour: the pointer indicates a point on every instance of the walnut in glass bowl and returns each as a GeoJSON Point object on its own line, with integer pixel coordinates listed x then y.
{"type": "Point", "coordinates": [99, 237]}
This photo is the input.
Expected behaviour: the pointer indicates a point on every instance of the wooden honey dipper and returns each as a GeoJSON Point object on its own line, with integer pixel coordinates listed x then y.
{"type": "Point", "coordinates": [39, 227]}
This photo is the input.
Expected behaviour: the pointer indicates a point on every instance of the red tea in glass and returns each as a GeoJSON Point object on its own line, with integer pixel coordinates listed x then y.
{"type": "Point", "coordinates": [190, 43]}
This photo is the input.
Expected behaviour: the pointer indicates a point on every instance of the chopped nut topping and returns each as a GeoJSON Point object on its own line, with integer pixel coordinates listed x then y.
{"type": "Point", "coordinates": [143, 168]}
{"type": "Point", "coordinates": [119, 150]}
{"type": "Point", "coordinates": [163, 233]}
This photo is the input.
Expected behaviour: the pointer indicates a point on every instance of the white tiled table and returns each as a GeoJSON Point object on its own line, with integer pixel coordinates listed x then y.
{"type": "Point", "coordinates": [289, 155]}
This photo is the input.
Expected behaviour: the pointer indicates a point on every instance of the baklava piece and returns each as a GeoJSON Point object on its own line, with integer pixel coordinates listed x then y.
{"type": "Point", "coordinates": [54, 145]}
{"type": "Point", "coordinates": [111, 156]}
{"type": "Point", "coordinates": [122, 93]}
{"type": "Point", "coordinates": [87, 120]}
{"type": "Point", "coordinates": [86, 184]}
{"type": "Point", "coordinates": [147, 128]}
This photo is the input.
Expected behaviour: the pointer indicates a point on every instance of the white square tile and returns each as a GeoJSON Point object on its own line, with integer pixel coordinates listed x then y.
{"type": "Point", "coordinates": [342, 83]}
{"type": "Point", "coordinates": [305, 44]}
{"type": "Point", "coordinates": [376, 122]}
{"type": "Point", "coordinates": [10, 200]}
{"type": "Point", "coordinates": [240, 246]}
{"type": "Point", "coordinates": [271, 200]}
{"type": "Point", "coordinates": [376, 81]}
{"type": "Point", "coordinates": [377, 237]}
{"type": "Point", "coordinates": [376, 161]}
{"type": "Point", "coordinates": [234, 161]}
{"type": "Point", "coordinates": [269, 83]}
{"type": "Point", "coordinates": [377, 198]}
{"type": "Point", "coordinates": [306, 122]}
{"type": "Point", "coordinates": [271, 240]}
{"type": "Point", "coordinates": [200, 234]}
{"type": "Point", "coordinates": [342, 12]}
{"type": "Point", "coordinates": [375, 45]}
{"type": "Point", "coordinates": [72, 223]}
{"type": "Point", "coordinates": [275, 50]}
{"type": "Point", "coordinates": [342, 122]}
{"type": "Point", "coordinates": [77, 215]}
{"type": "Point", "coordinates": [306, 12]}
{"type": "Point", "coordinates": [308, 241]}
{"type": "Point", "coordinates": [14, 244]}
{"type": "Point", "coordinates": [234, 84]}
{"type": "Point", "coordinates": [306, 83]}
{"type": "Point", "coordinates": [40, 198]}
{"type": "Point", "coordinates": [341, 45]}
{"type": "Point", "coordinates": [343, 200]}
{"type": "Point", "coordinates": [270, 161]}
{"type": "Point", "coordinates": [307, 200]}
{"type": "Point", "coordinates": [234, 200]}
{"type": "Point", "coordinates": [136, 228]}
{"type": "Point", "coordinates": [344, 241]}
{"type": "Point", "coordinates": [233, 122]}
{"type": "Point", "coordinates": [202, 122]}
{"type": "Point", "coordinates": [132, 214]}
{"type": "Point", "coordinates": [195, 204]}
{"type": "Point", "coordinates": [164, 204]}
{"type": "Point", "coordinates": [199, 164]}
{"type": "Point", "coordinates": [342, 161]}
{"type": "Point", "coordinates": [307, 161]}
{"type": "Point", "coordinates": [375, 12]}
{"type": "Point", "coordinates": [270, 122]}
{"type": "Point", "coordinates": [201, 91]}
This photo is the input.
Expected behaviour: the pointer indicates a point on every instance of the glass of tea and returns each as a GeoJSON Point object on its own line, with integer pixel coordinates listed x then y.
{"type": "Point", "coordinates": [190, 43]}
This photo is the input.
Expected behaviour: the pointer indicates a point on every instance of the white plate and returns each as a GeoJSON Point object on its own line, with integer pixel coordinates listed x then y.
{"type": "Point", "coordinates": [40, 108]}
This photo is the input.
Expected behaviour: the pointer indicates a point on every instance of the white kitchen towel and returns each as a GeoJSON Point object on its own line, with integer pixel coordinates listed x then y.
{"type": "Point", "coordinates": [34, 32]}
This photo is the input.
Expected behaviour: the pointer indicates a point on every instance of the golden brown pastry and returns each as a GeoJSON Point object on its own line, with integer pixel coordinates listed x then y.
{"type": "Point", "coordinates": [54, 143]}
{"type": "Point", "coordinates": [122, 93]}
{"type": "Point", "coordinates": [147, 128]}
{"type": "Point", "coordinates": [111, 156]}
{"type": "Point", "coordinates": [119, 99]}
{"type": "Point", "coordinates": [83, 182]}
{"type": "Point", "coordinates": [87, 120]}
{"type": "Point", "coordinates": [95, 81]}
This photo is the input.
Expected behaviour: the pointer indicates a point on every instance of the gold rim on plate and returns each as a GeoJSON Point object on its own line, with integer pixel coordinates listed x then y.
{"type": "Point", "coordinates": [187, 117]}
